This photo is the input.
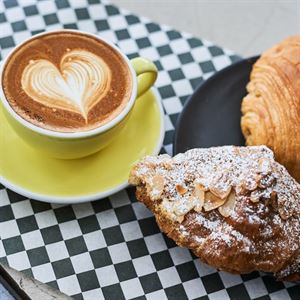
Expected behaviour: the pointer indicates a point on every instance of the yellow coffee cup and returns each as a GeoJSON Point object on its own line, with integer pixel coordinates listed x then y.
{"type": "Point", "coordinates": [72, 145]}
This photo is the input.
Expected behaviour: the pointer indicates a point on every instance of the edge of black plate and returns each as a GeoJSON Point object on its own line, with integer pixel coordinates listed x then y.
{"type": "Point", "coordinates": [205, 82]}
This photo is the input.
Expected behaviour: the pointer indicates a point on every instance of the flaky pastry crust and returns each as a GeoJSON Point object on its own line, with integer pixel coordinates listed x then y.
{"type": "Point", "coordinates": [236, 208]}
{"type": "Point", "coordinates": [271, 109]}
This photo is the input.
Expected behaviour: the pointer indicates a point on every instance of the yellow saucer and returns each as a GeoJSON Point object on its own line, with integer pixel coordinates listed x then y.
{"type": "Point", "coordinates": [36, 176]}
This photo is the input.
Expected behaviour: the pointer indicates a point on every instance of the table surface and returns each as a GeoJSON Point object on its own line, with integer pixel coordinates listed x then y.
{"type": "Point", "coordinates": [247, 27]}
{"type": "Point", "coordinates": [113, 247]}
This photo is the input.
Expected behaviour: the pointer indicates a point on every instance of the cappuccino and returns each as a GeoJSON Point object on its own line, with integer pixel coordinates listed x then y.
{"type": "Point", "coordinates": [67, 82]}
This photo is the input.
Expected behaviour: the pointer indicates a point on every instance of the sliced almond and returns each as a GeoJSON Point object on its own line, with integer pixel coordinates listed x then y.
{"type": "Point", "coordinates": [157, 187]}
{"type": "Point", "coordinates": [133, 178]}
{"type": "Point", "coordinates": [180, 208]}
{"type": "Point", "coordinates": [212, 201]}
{"type": "Point", "coordinates": [180, 219]}
{"type": "Point", "coordinates": [181, 189]}
{"type": "Point", "coordinates": [201, 186]}
{"type": "Point", "coordinates": [227, 208]}
{"type": "Point", "coordinates": [199, 194]}
{"type": "Point", "coordinates": [264, 166]}
{"type": "Point", "coordinates": [221, 193]}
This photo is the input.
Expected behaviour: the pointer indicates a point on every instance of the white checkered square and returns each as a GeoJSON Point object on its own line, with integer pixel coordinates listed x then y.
{"type": "Point", "coordinates": [170, 62]}
{"type": "Point", "coordinates": [57, 251]}
{"type": "Point", "coordinates": [180, 255]}
{"type": "Point", "coordinates": [256, 288]}
{"type": "Point", "coordinates": [203, 269]}
{"type": "Point", "coordinates": [46, 219]}
{"type": "Point", "coordinates": [155, 243]}
{"type": "Point", "coordinates": [82, 262]}
{"type": "Point", "coordinates": [201, 54]}
{"type": "Point", "coordinates": [43, 273]}
{"type": "Point", "coordinates": [69, 285]}
{"type": "Point", "coordinates": [180, 46]}
{"type": "Point", "coordinates": [194, 288]}
{"type": "Point", "coordinates": [159, 38]}
{"type": "Point", "coordinates": [141, 211]}
{"type": "Point", "coordinates": [2, 251]}
{"type": "Point", "coordinates": [119, 199]}
{"type": "Point", "coordinates": [93, 294]}
{"type": "Point", "coordinates": [46, 7]}
{"type": "Point", "coordinates": [119, 253]}
{"type": "Point", "coordinates": [107, 275]}
{"type": "Point", "coordinates": [22, 209]}
{"type": "Point", "coordinates": [83, 210]}
{"type": "Point", "coordinates": [32, 239]}
{"type": "Point", "coordinates": [5, 30]}
{"type": "Point", "coordinates": [219, 295]}
{"type": "Point", "coordinates": [132, 288]}
{"type": "Point", "coordinates": [35, 23]}
{"type": "Point", "coordinates": [137, 31]}
{"type": "Point", "coordinates": [220, 62]}
{"type": "Point", "coordinates": [9, 229]}
{"type": "Point", "coordinates": [70, 229]}
{"type": "Point", "coordinates": [172, 105]}
{"type": "Point", "coordinates": [230, 279]}
{"type": "Point", "coordinates": [14, 14]}
{"type": "Point", "coordinates": [19, 37]}
{"type": "Point", "coordinates": [131, 231]}
{"type": "Point", "coordinates": [87, 25]}
{"type": "Point", "coordinates": [19, 261]}
{"type": "Point", "coordinates": [97, 12]}
{"type": "Point", "coordinates": [4, 200]}
{"type": "Point", "coordinates": [94, 240]}
{"type": "Point", "coordinates": [156, 295]}
{"type": "Point", "coordinates": [128, 46]}
{"type": "Point", "coordinates": [66, 16]}
{"type": "Point", "coordinates": [169, 277]}
{"type": "Point", "coordinates": [117, 22]}
{"type": "Point", "coordinates": [143, 265]}
{"type": "Point", "coordinates": [107, 219]}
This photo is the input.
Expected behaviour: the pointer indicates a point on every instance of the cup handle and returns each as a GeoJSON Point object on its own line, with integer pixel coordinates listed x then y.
{"type": "Point", "coordinates": [146, 72]}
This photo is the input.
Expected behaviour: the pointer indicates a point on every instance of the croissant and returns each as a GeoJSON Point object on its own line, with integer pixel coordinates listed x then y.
{"type": "Point", "coordinates": [271, 109]}
{"type": "Point", "coordinates": [236, 208]}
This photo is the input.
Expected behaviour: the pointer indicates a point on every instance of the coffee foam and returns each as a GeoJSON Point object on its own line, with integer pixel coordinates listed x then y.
{"type": "Point", "coordinates": [81, 81]}
{"type": "Point", "coordinates": [67, 82]}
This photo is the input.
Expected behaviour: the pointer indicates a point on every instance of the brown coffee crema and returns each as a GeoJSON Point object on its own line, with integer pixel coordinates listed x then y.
{"type": "Point", "coordinates": [67, 82]}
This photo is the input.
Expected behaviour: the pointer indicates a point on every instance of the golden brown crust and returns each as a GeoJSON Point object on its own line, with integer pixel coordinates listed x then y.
{"type": "Point", "coordinates": [258, 235]}
{"type": "Point", "coordinates": [271, 110]}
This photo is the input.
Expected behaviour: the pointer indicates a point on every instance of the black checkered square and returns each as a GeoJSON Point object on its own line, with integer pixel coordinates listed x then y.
{"type": "Point", "coordinates": [113, 248]}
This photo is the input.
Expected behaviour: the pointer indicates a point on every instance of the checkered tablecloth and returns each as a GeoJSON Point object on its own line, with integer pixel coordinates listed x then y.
{"type": "Point", "coordinates": [112, 248]}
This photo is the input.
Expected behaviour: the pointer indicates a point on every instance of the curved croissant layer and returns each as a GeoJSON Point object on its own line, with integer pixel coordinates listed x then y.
{"type": "Point", "coordinates": [271, 110]}
{"type": "Point", "coordinates": [80, 82]}
{"type": "Point", "coordinates": [236, 208]}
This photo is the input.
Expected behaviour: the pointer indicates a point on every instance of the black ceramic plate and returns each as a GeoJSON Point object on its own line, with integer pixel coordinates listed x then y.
{"type": "Point", "coordinates": [211, 116]}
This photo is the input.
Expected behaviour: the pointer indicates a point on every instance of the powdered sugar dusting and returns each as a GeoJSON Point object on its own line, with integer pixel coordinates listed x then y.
{"type": "Point", "coordinates": [251, 171]}
{"type": "Point", "coordinates": [264, 218]}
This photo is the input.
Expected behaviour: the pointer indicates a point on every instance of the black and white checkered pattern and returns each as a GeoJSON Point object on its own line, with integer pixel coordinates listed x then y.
{"type": "Point", "coordinates": [112, 248]}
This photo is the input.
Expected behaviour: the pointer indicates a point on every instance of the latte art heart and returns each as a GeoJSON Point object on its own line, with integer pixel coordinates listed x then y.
{"type": "Point", "coordinates": [80, 82]}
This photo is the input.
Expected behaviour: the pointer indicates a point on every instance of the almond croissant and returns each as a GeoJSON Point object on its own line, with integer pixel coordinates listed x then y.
{"type": "Point", "coordinates": [236, 208]}
{"type": "Point", "coordinates": [271, 110]}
